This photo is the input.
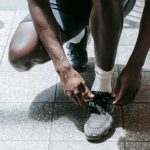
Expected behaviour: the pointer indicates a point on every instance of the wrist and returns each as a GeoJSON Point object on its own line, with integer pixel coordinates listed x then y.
{"type": "Point", "coordinates": [63, 67]}
{"type": "Point", "coordinates": [136, 61]}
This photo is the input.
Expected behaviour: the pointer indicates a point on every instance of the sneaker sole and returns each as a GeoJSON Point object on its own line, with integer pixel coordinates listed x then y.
{"type": "Point", "coordinates": [96, 138]}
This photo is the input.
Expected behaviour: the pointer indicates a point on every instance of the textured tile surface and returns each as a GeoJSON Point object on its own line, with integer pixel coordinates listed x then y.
{"type": "Point", "coordinates": [2, 48]}
{"type": "Point", "coordinates": [72, 117]}
{"type": "Point", "coordinates": [136, 122]}
{"type": "Point", "coordinates": [144, 92]}
{"type": "Point", "coordinates": [24, 145]}
{"type": "Point", "coordinates": [137, 145]}
{"type": "Point", "coordinates": [16, 125]}
{"type": "Point", "coordinates": [24, 87]}
{"type": "Point", "coordinates": [80, 145]}
{"type": "Point", "coordinates": [35, 92]}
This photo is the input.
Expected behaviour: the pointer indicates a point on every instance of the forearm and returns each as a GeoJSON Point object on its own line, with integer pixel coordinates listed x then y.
{"type": "Point", "coordinates": [48, 32]}
{"type": "Point", "coordinates": [143, 42]}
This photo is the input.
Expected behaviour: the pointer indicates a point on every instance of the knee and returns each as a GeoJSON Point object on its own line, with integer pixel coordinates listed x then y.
{"type": "Point", "coordinates": [17, 59]}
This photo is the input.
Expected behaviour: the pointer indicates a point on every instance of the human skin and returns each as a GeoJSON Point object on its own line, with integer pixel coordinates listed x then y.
{"type": "Point", "coordinates": [128, 82]}
{"type": "Point", "coordinates": [49, 34]}
{"type": "Point", "coordinates": [26, 48]}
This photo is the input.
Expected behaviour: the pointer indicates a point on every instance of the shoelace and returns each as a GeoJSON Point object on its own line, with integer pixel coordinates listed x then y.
{"type": "Point", "coordinates": [100, 102]}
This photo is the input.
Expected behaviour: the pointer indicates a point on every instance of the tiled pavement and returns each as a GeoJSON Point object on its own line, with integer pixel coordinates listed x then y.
{"type": "Point", "coordinates": [35, 114]}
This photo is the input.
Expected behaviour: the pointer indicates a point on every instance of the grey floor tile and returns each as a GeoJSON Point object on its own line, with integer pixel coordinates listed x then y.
{"type": "Point", "coordinates": [19, 16]}
{"type": "Point", "coordinates": [27, 87]}
{"type": "Point", "coordinates": [16, 125]}
{"type": "Point", "coordinates": [6, 18]}
{"type": "Point", "coordinates": [137, 145]}
{"type": "Point", "coordinates": [68, 122]}
{"type": "Point", "coordinates": [134, 17]}
{"type": "Point", "coordinates": [13, 5]}
{"type": "Point", "coordinates": [41, 111]}
{"type": "Point", "coordinates": [80, 145]}
{"type": "Point", "coordinates": [2, 48]}
{"type": "Point", "coordinates": [69, 119]}
{"type": "Point", "coordinates": [136, 122]}
{"type": "Point", "coordinates": [144, 92]}
{"type": "Point", "coordinates": [123, 54]}
{"type": "Point", "coordinates": [128, 37]}
{"type": "Point", "coordinates": [23, 145]}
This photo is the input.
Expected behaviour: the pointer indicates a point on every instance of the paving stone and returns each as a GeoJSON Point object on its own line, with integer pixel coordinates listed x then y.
{"type": "Point", "coordinates": [128, 37]}
{"type": "Point", "coordinates": [16, 125]}
{"type": "Point", "coordinates": [23, 145]}
{"type": "Point", "coordinates": [72, 117]}
{"type": "Point", "coordinates": [19, 16]}
{"type": "Point", "coordinates": [68, 116]}
{"type": "Point", "coordinates": [144, 92]}
{"type": "Point", "coordinates": [24, 87]}
{"type": "Point", "coordinates": [123, 54]}
{"type": "Point", "coordinates": [137, 145]}
{"type": "Point", "coordinates": [80, 145]}
{"type": "Point", "coordinates": [6, 17]}
{"type": "Point", "coordinates": [13, 5]}
{"type": "Point", "coordinates": [136, 122]}
{"type": "Point", "coordinates": [41, 111]}
{"type": "Point", "coordinates": [2, 48]}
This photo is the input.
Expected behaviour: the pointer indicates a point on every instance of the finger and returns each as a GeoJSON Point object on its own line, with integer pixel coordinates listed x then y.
{"type": "Point", "coordinates": [119, 97]}
{"type": "Point", "coordinates": [130, 96]}
{"type": "Point", "coordinates": [125, 100]}
{"type": "Point", "coordinates": [87, 92]}
{"type": "Point", "coordinates": [75, 100]}
{"type": "Point", "coordinates": [78, 95]}
{"type": "Point", "coordinates": [71, 95]}
{"type": "Point", "coordinates": [117, 89]}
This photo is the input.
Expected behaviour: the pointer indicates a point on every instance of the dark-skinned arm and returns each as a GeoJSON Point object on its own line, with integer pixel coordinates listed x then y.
{"type": "Point", "coordinates": [49, 34]}
{"type": "Point", "coordinates": [128, 82]}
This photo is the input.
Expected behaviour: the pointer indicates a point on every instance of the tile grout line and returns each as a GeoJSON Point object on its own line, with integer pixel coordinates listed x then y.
{"type": "Point", "coordinates": [53, 109]}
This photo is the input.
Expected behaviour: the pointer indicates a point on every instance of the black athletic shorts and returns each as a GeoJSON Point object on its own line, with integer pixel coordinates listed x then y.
{"type": "Point", "coordinates": [73, 15]}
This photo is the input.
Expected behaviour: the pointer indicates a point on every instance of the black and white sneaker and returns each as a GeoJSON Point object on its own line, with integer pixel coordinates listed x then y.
{"type": "Point", "coordinates": [100, 120]}
{"type": "Point", "coordinates": [77, 53]}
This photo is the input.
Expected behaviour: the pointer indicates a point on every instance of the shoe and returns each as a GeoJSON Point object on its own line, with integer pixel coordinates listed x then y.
{"type": "Point", "coordinates": [100, 120]}
{"type": "Point", "coordinates": [77, 53]}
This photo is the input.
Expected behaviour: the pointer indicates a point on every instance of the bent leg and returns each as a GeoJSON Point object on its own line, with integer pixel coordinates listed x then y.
{"type": "Point", "coordinates": [25, 48]}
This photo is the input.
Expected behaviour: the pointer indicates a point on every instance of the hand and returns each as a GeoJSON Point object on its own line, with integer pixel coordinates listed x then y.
{"type": "Point", "coordinates": [74, 87]}
{"type": "Point", "coordinates": [128, 84]}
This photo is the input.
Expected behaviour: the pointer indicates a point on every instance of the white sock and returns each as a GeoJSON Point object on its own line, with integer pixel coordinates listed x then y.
{"type": "Point", "coordinates": [102, 80]}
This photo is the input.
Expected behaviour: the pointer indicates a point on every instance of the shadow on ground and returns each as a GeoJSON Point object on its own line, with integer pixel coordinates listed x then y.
{"type": "Point", "coordinates": [52, 102]}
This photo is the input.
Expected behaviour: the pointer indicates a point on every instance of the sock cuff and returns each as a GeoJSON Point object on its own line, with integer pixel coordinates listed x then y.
{"type": "Point", "coordinates": [103, 74]}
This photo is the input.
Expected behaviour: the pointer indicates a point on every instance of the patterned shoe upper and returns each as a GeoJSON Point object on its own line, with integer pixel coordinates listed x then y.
{"type": "Point", "coordinates": [102, 102]}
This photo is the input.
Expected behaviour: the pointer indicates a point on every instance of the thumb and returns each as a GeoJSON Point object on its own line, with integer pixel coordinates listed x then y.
{"type": "Point", "coordinates": [119, 97]}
